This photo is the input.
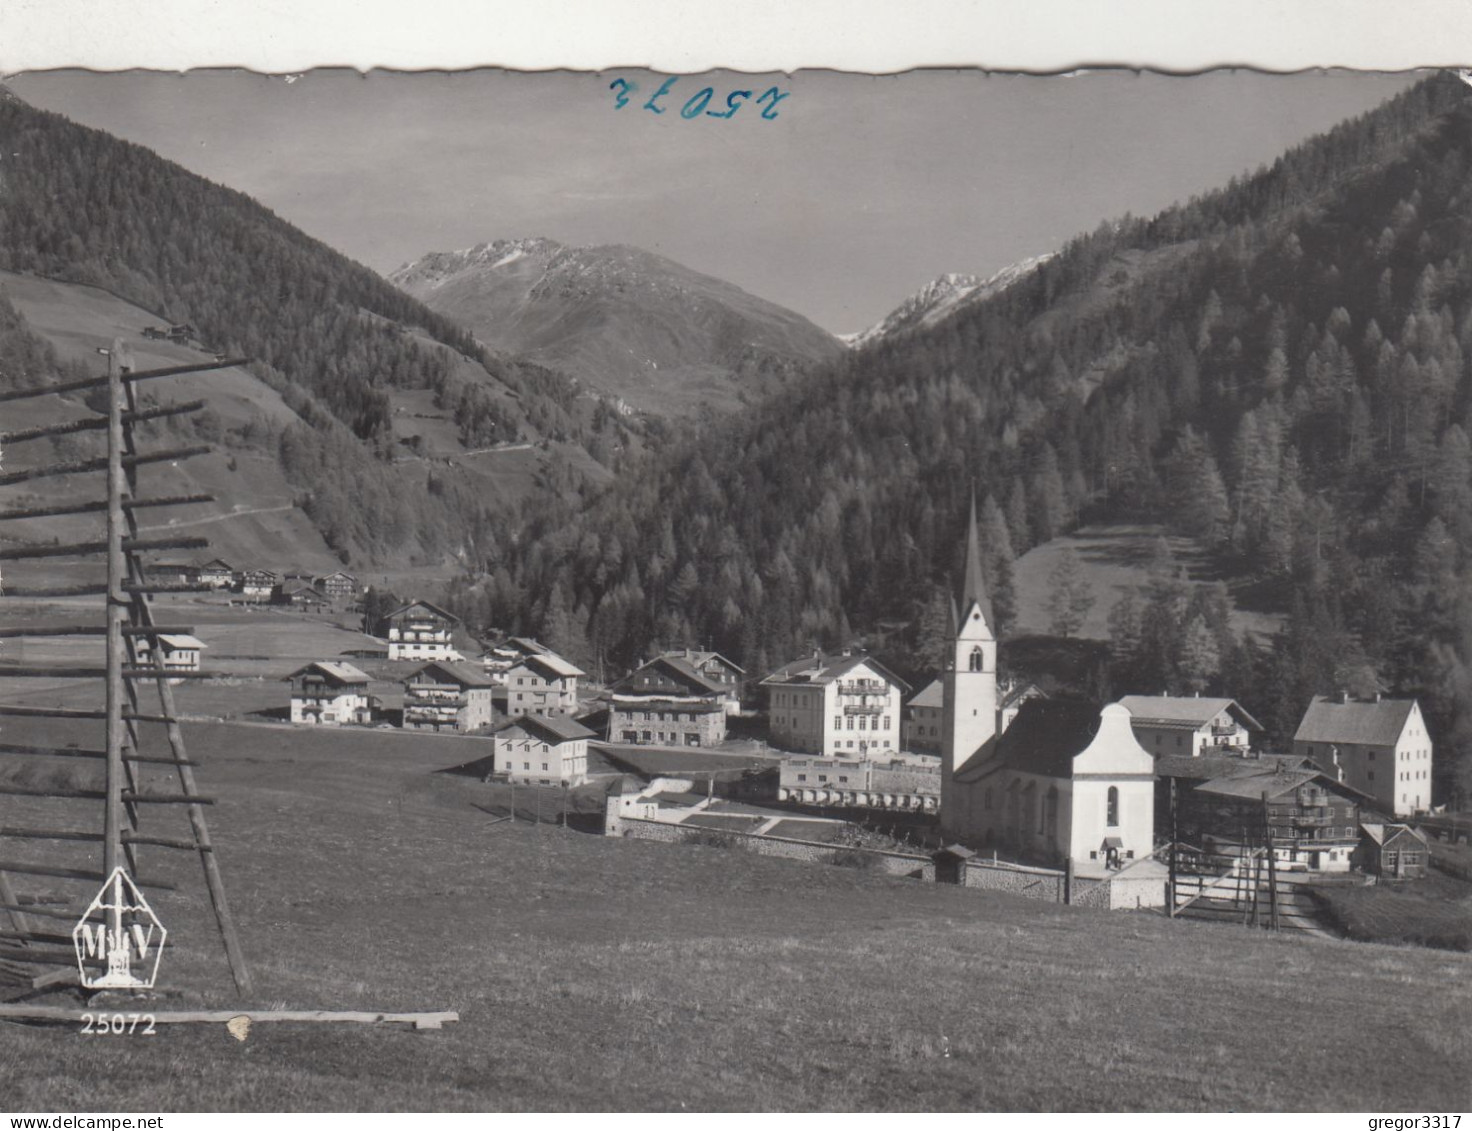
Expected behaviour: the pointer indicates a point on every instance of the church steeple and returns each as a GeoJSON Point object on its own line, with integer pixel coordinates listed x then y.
{"type": "Point", "coordinates": [974, 591]}
{"type": "Point", "coordinates": [969, 683]}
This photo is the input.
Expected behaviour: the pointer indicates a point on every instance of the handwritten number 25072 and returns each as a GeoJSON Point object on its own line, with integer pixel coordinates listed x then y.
{"type": "Point", "coordinates": [699, 102]}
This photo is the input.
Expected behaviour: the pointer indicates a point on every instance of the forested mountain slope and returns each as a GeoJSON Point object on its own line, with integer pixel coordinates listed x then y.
{"type": "Point", "coordinates": [335, 340]}
{"type": "Point", "coordinates": [627, 323]}
{"type": "Point", "coordinates": [1278, 369]}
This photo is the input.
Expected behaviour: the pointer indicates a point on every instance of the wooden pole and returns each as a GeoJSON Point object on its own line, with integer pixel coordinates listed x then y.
{"type": "Point", "coordinates": [117, 611]}
{"type": "Point", "coordinates": [143, 618]}
{"type": "Point", "coordinates": [1272, 865]}
{"type": "Point", "coordinates": [1170, 878]}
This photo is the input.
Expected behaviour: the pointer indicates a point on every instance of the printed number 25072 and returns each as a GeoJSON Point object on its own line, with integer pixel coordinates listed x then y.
{"type": "Point", "coordinates": [118, 1025]}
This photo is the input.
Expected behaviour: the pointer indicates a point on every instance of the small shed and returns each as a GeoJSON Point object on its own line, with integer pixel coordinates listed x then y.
{"type": "Point", "coordinates": [950, 863]}
{"type": "Point", "coordinates": [1392, 851]}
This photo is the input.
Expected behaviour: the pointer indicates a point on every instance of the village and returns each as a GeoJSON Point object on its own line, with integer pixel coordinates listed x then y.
{"type": "Point", "coordinates": [1154, 801]}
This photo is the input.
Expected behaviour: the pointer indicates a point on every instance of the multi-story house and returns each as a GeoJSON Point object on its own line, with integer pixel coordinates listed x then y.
{"type": "Point", "coordinates": [543, 684]}
{"type": "Point", "coordinates": [443, 695]}
{"type": "Point", "coordinates": [924, 715]}
{"type": "Point", "coordinates": [500, 658]}
{"type": "Point", "coordinates": [717, 669]}
{"type": "Point", "coordinates": [1381, 745]}
{"type": "Point", "coordinates": [666, 702]}
{"type": "Point", "coordinates": [177, 652]}
{"type": "Point", "coordinates": [542, 750]}
{"type": "Point", "coordinates": [420, 631]}
{"type": "Point", "coordinates": [330, 693]}
{"type": "Point", "coordinates": [339, 587]}
{"type": "Point", "coordinates": [1311, 820]}
{"type": "Point", "coordinates": [836, 705]}
{"type": "Point", "coordinates": [174, 573]}
{"type": "Point", "coordinates": [258, 584]}
{"type": "Point", "coordinates": [1190, 725]}
{"type": "Point", "coordinates": [217, 573]}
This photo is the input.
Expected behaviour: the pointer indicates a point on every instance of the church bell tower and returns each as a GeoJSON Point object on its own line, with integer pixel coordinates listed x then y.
{"type": "Point", "coordinates": [969, 712]}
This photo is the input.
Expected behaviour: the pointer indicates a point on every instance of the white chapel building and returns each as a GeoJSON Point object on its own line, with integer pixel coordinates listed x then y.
{"type": "Point", "coordinates": [1065, 782]}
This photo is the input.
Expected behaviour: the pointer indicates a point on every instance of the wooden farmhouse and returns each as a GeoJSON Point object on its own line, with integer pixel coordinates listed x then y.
{"type": "Point", "coordinates": [305, 598]}
{"type": "Point", "coordinates": [420, 631]}
{"type": "Point", "coordinates": [258, 584]}
{"type": "Point", "coordinates": [217, 573]}
{"type": "Point", "coordinates": [542, 750]}
{"type": "Point", "coordinates": [338, 587]}
{"type": "Point", "coordinates": [330, 693]}
{"type": "Point", "coordinates": [1380, 744]}
{"type": "Point", "coordinates": [717, 669]}
{"type": "Point", "coordinates": [1392, 851]}
{"type": "Point", "coordinates": [498, 659]}
{"type": "Point", "coordinates": [666, 702]}
{"type": "Point", "coordinates": [1190, 725]}
{"type": "Point", "coordinates": [544, 684]}
{"type": "Point", "coordinates": [839, 705]}
{"type": "Point", "coordinates": [444, 695]}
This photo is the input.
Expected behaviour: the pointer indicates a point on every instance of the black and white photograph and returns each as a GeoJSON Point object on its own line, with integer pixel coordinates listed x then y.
{"type": "Point", "coordinates": [628, 589]}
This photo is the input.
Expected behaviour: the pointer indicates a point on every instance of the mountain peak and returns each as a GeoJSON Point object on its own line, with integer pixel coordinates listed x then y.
{"type": "Point", "coordinates": [941, 298]}
{"type": "Point", "coordinates": [626, 321]}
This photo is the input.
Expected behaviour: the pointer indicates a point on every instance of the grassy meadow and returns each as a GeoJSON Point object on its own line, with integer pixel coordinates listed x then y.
{"type": "Point", "coordinates": [610, 974]}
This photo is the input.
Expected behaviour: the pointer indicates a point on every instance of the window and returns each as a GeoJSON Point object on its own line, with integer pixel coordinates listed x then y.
{"type": "Point", "coordinates": [544, 765]}
{"type": "Point", "coordinates": [842, 778]}
{"type": "Point", "coordinates": [863, 722]}
{"type": "Point", "coordinates": [837, 722]}
{"type": "Point", "coordinates": [822, 777]}
{"type": "Point", "coordinates": [976, 659]}
{"type": "Point", "coordinates": [802, 777]}
{"type": "Point", "coordinates": [1111, 807]}
{"type": "Point", "coordinates": [850, 725]}
{"type": "Point", "coordinates": [886, 722]}
{"type": "Point", "coordinates": [526, 765]}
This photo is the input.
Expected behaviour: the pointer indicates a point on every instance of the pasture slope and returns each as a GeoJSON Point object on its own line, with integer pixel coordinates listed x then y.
{"type": "Point", "coordinates": [594, 974]}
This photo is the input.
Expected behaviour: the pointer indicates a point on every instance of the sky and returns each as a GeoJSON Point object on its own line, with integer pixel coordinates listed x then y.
{"type": "Point", "coordinates": [858, 191]}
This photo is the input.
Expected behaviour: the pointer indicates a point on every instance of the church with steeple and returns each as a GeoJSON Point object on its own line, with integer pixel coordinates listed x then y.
{"type": "Point", "coordinates": [1066, 781]}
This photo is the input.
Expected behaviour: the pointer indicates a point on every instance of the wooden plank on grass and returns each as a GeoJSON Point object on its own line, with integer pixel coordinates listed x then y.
{"type": "Point", "coordinates": [224, 1016]}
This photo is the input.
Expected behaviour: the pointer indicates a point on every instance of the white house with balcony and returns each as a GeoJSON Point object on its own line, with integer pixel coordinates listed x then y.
{"type": "Point", "coordinates": [330, 693]}
{"type": "Point", "coordinates": [842, 705]}
{"type": "Point", "coordinates": [420, 631]}
{"type": "Point", "coordinates": [444, 695]}
{"type": "Point", "coordinates": [177, 652]}
{"type": "Point", "coordinates": [1190, 726]}
{"type": "Point", "coordinates": [543, 684]}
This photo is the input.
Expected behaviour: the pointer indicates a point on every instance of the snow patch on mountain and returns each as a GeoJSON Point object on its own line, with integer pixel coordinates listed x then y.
{"type": "Point", "coordinates": [940, 299]}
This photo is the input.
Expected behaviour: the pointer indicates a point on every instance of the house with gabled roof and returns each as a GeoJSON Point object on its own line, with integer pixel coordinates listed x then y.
{"type": "Point", "coordinates": [177, 651]}
{"type": "Point", "coordinates": [921, 727]}
{"type": "Point", "coordinates": [542, 750]}
{"type": "Point", "coordinates": [1393, 851]}
{"type": "Point", "coordinates": [542, 684]}
{"type": "Point", "coordinates": [842, 704]}
{"type": "Point", "coordinates": [718, 669]}
{"type": "Point", "coordinates": [1381, 745]}
{"type": "Point", "coordinates": [445, 695]}
{"type": "Point", "coordinates": [330, 693]}
{"type": "Point", "coordinates": [338, 585]}
{"type": "Point", "coordinates": [217, 573]}
{"type": "Point", "coordinates": [667, 702]}
{"type": "Point", "coordinates": [420, 631]}
{"type": "Point", "coordinates": [1190, 724]}
{"type": "Point", "coordinates": [1310, 819]}
{"type": "Point", "coordinates": [501, 657]}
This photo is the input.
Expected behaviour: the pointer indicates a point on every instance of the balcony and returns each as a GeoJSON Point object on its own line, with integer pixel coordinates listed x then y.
{"type": "Point", "coordinates": [856, 709]}
{"type": "Point", "coordinates": [1314, 820]}
{"type": "Point", "coordinates": [863, 687]}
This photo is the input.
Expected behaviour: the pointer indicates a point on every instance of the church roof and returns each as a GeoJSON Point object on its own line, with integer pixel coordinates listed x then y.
{"type": "Point", "coordinates": [1044, 738]}
{"type": "Point", "coordinates": [932, 695]}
